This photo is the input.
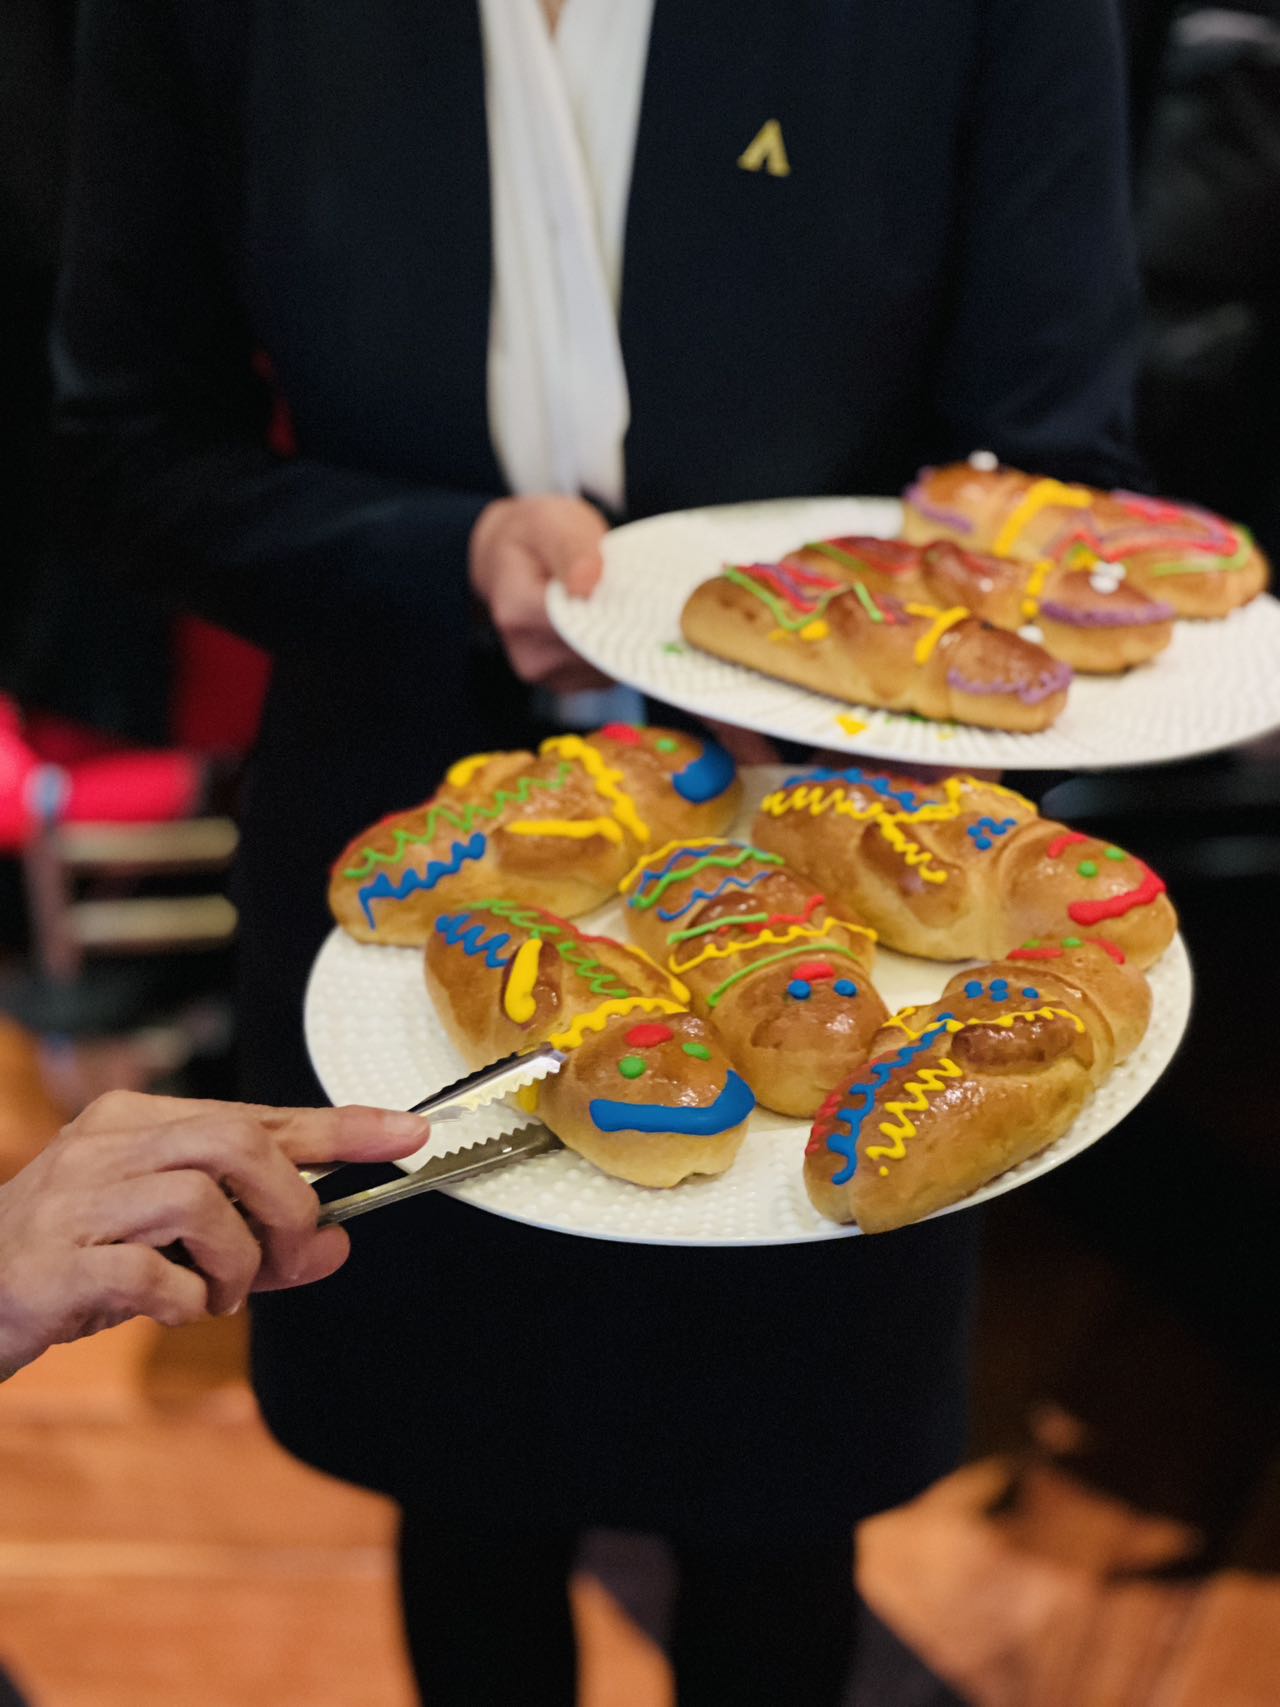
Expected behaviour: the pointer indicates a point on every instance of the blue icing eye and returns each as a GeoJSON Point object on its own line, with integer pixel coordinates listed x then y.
{"type": "Point", "coordinates": [800, 989]}
{"type": "Point", "coordinates": [845, 987]}
{"type": "Point", "coordinates": [973, 989]}
{"type": "Point", "coordinates": [1032, 995]}
{"type": "Point", "coordinates": [1000, 989]}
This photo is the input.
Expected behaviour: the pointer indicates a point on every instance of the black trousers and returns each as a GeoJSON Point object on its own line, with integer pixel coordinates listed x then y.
{"type": "Point", "coordinates": [488, 1622]}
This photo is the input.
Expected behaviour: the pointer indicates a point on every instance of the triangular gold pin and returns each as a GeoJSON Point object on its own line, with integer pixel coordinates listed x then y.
{"type": "Point", "coordinates": [766, 149]}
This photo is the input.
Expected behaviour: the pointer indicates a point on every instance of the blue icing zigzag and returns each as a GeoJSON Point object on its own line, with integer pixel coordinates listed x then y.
{"type": "Point", "coordinates": [711, 894]}
{"type": "Point", "coordinates": [859, 779]}
{"type": "Point", "coordinates": [986, 830]}
{"type": "Point", "coordinates": [383, 889]}
{"type": "Point", "coordinates": [867, 1089]}
{"type": "Point", "coordinates": [458, 930]}
{"type": "Point", "coordinates": [706, 777]}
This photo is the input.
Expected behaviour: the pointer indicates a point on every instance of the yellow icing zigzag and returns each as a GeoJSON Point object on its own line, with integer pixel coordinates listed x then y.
{"type": "Point", "coordinates": [793, 933]}
{"type": "Point", "coordinates": [912, 852]}
{"type": "Point", "coordinates": [605, 778]}
{"type": "Point", "coordinates": [920, 1089]}
{"type": "Point", "coordinates": [942, 620]}
{"type": "Point", "coordinates": [1002, 1020]}
{"type": "Point", "coordinates": [646, 860]}
{"type": "Point", "coordinates": [596, 1019]}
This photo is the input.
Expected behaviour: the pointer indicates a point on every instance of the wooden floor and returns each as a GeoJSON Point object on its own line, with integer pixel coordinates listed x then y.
{"type": "Point", "coordinates": [158, 1550]}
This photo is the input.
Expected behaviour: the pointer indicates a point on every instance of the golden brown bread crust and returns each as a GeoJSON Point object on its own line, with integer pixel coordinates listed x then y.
{"type": "Point", "coordinates": [783, 977]}
{"type": "Point", "coordinates": [955, 1093]}
{"type": "Point", "coordinates": [647, 1093]}
{"type": "Point", "coordinates": [1095, 622]}
{"type": "Point", "coordinates": [557, 830]}
{"type": "Point", "coordinates": [1177, 553]}
{"type": "Point", "coordinates": [800, 626]}
{"type": "Point", "coordinates": [960, 869]}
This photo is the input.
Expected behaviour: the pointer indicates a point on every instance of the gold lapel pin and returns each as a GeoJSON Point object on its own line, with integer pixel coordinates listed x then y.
{"type": "Point", "coordinates": [766, 151]}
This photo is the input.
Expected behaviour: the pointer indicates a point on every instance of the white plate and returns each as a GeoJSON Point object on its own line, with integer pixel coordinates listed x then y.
{"type": "Point", "coordinates": [374, 1038]}
{"type": "Point", "coordinates": [1216, 685]}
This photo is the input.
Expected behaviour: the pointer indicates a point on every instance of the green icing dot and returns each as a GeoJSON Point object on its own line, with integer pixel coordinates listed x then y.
{"type": "Point", "coordinates": [1116, 853]}
{"type": "Point", "coordinates": [1087, 868]}
{"type": "Point", "coordinates": [674, 646]}
{"type": "Point", "coordinates": [1032, 942]}
{"type": "Point", "coordinates": [699, 1051]}
{"type": "Point", "coordinates": [631, 1067]}
{"type": "Point", "coordinates": [1072, 942]}
{"type": "Point", "coordinates": [666, 745]}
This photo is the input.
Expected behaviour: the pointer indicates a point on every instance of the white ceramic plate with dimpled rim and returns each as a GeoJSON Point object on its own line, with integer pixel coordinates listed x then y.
{"type": "Point", "coordinates": [374, 1038]}
{"type": "Point", "coordinates": [1217, 684]}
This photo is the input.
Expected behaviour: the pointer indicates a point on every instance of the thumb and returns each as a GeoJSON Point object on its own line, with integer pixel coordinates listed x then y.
{"type": "Point", "coordinates": [583, 575]}
{"type": "Point", "coordinates": [566, 535]}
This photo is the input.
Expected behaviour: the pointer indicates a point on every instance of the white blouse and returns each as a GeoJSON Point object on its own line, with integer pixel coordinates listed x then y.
{"type": "Point", "coordinates": [562, 111]}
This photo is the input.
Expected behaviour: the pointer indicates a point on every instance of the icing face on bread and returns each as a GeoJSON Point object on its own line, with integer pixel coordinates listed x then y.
{"type": "Point", "coordinates": [558, 828]}
{"type": "Point", "coordinates": [784, 979]}
{"type": "Point", "coordinates": [961, 868]}
{"type": "Point", "coordinates": [661, 1086]}
{"type": "Point", "coordinates": [959, 1091]}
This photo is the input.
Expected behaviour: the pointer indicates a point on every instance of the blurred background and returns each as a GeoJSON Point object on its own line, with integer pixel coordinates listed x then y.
{"type": "Point", "coordinates": [1115, 1537]}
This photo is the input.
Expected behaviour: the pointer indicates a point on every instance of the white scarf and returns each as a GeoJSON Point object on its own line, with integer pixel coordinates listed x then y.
{"type": "Point", "coordinates": [562, 115]}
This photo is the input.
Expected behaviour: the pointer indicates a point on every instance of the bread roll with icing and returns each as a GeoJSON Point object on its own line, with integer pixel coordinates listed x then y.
{"type": "Point", "coordinates": [808, 627]}
{"type": "Point", "coordinates": [1182, 555]}
{"type": "Point", "coordinates": [1089, 618]}
{"type": "Point", "coordinates": [558, 830]}
{"type": "Point", "coordinates": [783, 977]}
{"type": "Point", "coordinates": [955, 1093]}
{"type": "Point", "coordinates": [647, 1095]}
{"type": "Point", "coordinates": [960, 869]}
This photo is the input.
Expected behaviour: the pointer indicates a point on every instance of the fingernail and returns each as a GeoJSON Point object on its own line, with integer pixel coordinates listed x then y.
{"type": "Point", "coordinates": [405, 1125]}
{"type": "Point", "coordinates": [233, 1309]}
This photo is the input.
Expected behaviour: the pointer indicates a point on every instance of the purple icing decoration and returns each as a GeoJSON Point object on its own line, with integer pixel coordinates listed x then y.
{"type": "Point", "coordinates": [1074, 618]}
{"type": "Point", "coordinates": [952, 519]}
{"type": "Point", "coordinates": [1049, 682]}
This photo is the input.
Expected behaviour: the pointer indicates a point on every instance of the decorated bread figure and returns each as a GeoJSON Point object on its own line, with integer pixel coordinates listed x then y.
{"type": "Point", "coordinates": [955, 1093]}
{"type": "Point", "coordinates": [782, 977]}
{"type": "Point", "coordinates": [1182, 555]}
{"type": "Point", "coordinates": [1089, 617]}
{"type": "Point", "coordinates": [559, 829]}
{"type": "Point", "coordinates": [805, 626]}
{"type": "Point", "coordinates": [647, 1095]}
{"type": "Point", "coordinates": [960, 869]}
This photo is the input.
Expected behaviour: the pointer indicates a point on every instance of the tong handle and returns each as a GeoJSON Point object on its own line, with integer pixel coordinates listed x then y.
{"type": "Point", "coordinates": [443, 1170]}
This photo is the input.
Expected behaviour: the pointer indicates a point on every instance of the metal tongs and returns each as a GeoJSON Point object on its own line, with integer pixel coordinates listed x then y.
{"type": "Point", "coordinates": [477, 1090]}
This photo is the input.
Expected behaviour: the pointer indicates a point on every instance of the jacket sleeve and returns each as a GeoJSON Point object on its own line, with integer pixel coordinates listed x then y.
{"type": "Point", "coordinates": [1038, 359]}
{"type": "Point", "coordinates": [162, 425]}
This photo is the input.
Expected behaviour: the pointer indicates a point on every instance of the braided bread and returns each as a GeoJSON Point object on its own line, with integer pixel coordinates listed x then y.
{"type": "Point", "coordinates": [811, 628]}
{"type": "Point", "coordinates": [785, 984]}
{"type": "Point", "coordinates": [955, 1093]}
{"type": "Point", "coordinates": [960, 869]}
{"type": "Point", "coordinates": [647, 1093]}
{"type": "Point", "coordinates": [558, 830]}
{"type": "Point", "coordinates": [1089, 618]}
{"type": "Point", "coordinates": [1184, 556]}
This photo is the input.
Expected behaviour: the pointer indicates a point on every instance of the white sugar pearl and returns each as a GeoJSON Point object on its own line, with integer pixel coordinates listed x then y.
{"type": "Point", "coordinates": [985, 460]}
{"type": "Point", "coordinates": [1030, 632]}
{"type": "Point", "coordinates": [1104, 583]}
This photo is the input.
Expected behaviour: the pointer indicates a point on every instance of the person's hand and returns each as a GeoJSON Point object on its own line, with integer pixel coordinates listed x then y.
{"type": "Point", "coordinates": [518, 547]}
{"type": "Point", "coordinates": [83, 1225]}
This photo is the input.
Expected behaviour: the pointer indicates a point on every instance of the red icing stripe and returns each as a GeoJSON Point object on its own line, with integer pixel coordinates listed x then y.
{"type": "Point", "coordinates": [800, 918]}
{"type": "Point", "coordinates": [824, 1121]}
{"type": "Point", "coordinates": [809, 970]}
{"type": "Point", "coordinates": [627, 733]}
{"type": "Point", "coordinates": [1055, 953]}
{"type": "Point", "coordinates": [648, 1036]}
{"type": "Point", "coordinates": [1093, 912]}
{"type": "Point", "coordinates": [1068, 839]}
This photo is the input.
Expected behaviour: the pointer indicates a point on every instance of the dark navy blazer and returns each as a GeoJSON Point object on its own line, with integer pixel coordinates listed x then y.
{"type": "Point", "coordinates": [946, 265]}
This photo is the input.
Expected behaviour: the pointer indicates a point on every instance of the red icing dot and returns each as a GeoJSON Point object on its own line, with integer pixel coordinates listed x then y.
{"type": "Point", "coordinates": [647, 1036]}
{"type": "Point", "coordinates": [811, 969]}
{"type": "Point", "coordinates": [627, 733]}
